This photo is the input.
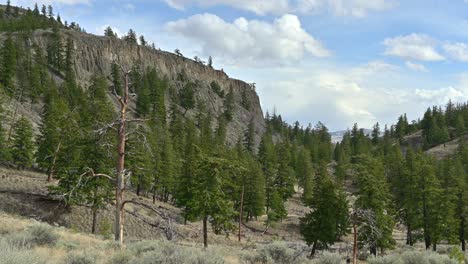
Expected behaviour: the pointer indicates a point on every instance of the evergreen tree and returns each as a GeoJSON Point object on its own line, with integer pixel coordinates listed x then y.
{"type": "Point", "coordinates": [108, 32]}
{"type": "Point", "coordinates": [131, 37]}
{"type": "Point", "coordinates": [328, 219]}
{"type": "Point", "coordinates": [305, 175]}
{"type": "Point", "coordinates": [209, 202]}
{"type": "Point", "coordinates": [23, 146]}
{"type": "Point", "coordinates": [229, 105]}
{"type": "Point", "coordinates": [8, 69]}
{"type": "Point", "coordinates": [143, 41]}
{"type": "Point", "coordinates": [254, 197]}
{"type": "Point", "coordinates": [373, 197]}
{"type": "Point", "coordinates": [249, 138]}
{"type": "Point", "coordinates": [187, 96]}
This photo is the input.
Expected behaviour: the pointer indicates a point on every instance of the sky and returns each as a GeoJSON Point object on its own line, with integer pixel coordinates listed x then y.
{"type": "Point", "coordinates": [336, 61]}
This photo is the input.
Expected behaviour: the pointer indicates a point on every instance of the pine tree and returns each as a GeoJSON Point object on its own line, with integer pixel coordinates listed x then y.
{"type": "Point", "coordinates": [143, 41]}
{"type": "Point", "coordinates": [131, 37]}
{"type": "Point", "coordinates": [209, 202]}
{"type": "Point", "coordinates": [55, 117]}
{"type": "Point", "coordinates": [229, 105]}
{"type": "Point", "coordinates": [3, 143]}
{"type": "Point", "coordinates": [210, 62]}
{"type": "Point", "coordinates": [8, 8]}
{"type": "Point", "coordinates": [108, 32]}
{"type": "Point", "coordinates": [249, 138]}
{"type": "Point", "coordinates": [305, 174]}
{"type": "Point", "coordinates": [8, 69]}
{"type": "Point", "coordinates": [328, 219]}
{"type": "Point", "coordinates": [116, 79]}
{"type": "Point", "coordinates": [254, 198]}
{"type": "Point", "coordinates": [187, 96]}
{"type": "Point", "coordinates": [23, 146]}
{"type": "Point", "coordinates": [374, 197]}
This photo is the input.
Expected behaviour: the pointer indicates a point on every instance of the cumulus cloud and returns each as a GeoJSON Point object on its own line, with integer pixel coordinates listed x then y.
{"type": "Point", "coordinates": [414, 46]}
{"type": "Point", "coordinates": [457, 51]}
{"type": "Point", "coordinates": [416, 66]}
{"type": "Point", "coordinates": [366, 94]}
{"type": "Point", "coordinates": [356, 8]}
{"type": "Point", "coordinates": [249, 41]}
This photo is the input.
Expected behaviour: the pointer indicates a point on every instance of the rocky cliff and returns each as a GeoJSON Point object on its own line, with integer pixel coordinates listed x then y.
{"type": "Point", "coordinates": [95, 54]}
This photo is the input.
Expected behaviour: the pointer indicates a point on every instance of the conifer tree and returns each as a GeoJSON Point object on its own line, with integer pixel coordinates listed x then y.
{"type": "Point", "coordinates": [3, 142]}
{"type": "Point", "coordinates": [187, 96]}
{"type": "Point", "coordinates": [23, 146]}
{"type": "Point", "coordinates": [373, 196]}
{"type": "Point", "coordinates": [249, 138]}
{"type": "Point", "coordinates": [209, 202]}
{"type": "Point", "coordinates": [305, 174]}
{"type": "Point", "coordinates": [8, 69]}
{"type": "Point", "coordinates": [229, 105]}
{"type": "Point", "coordinates": [254, 198]}
{"type": "Point", "coordinates": [328, 219]}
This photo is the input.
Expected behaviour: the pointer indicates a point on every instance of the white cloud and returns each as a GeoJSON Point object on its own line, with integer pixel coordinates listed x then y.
{"type": "Point", "coordinates": [249, 41]}
{"type": "Point", "coordinates": [46, 2]}
{"type": "Point", "coordinates": [260, 7]}
{"type": "Point", "coordinates": [356, 8]}
{"type": "Point", "coordinates": [340, 96]}
{"type": "Point", "coordinates": [414, 46]}
{"type": "Point", "coordinates": [416, 66]}
{"type": "Point", "coordinates": [457, 51]}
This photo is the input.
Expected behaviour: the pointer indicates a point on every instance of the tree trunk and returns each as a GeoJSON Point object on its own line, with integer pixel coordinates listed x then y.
{"type": "Point", "coordinates": [409, 236]}
{"type": "Point", "coordinates": [314, 248]}
{"type": "Point", "coordinates": [462, 234]}
{"type": "Point", "coordinates": [355, 248]}
{"type": "Point", "coordinates": [205, 231]}
{"type": "Point", "coordinates": [434, 247]}
{"type": "Point", "coordinates": [119, 192]}
{"type": "Point", "coordinates": [241, 212]}
{"type": "Point", "coordinates": [54, 161]}
{"type": "Point", "coordinates": [94, 224]}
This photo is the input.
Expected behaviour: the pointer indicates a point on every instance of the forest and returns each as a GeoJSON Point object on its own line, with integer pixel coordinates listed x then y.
{"type": "Point", "coordinates": [186, 161]}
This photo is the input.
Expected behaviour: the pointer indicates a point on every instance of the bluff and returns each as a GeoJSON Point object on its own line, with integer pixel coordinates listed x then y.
{"type": "Point", "coordinates": [96, 54]}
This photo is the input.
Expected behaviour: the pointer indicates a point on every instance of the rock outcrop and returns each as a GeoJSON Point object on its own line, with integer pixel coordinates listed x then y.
{"type": "Point", "coordinates": [95, 55]}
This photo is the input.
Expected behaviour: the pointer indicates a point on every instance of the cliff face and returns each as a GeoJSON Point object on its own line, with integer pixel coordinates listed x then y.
{"type": "Point", "coordinates": [95, 54]}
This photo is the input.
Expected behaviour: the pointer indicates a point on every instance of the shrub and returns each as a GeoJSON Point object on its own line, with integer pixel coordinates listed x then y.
{"type": "Point", "coordinates": [457, 255]}
{"type": "Point", "coordinates": [105, 229]}
{"type": "Point", "coordinates": [147, 252]}
{"type": "Point", "coordinates": [79, 258]}
{"type": "Point", "coordinates": [13, 255]}
{"type": "Point", "coordinates": [42, 234]}
{"type": "Point", "coordinates": [275, 252]}
{"type": "Point", "coordinates": [328, 258]}
{"type": "Point", "coordinates": [122, 257]}
{"type": "Point", "coordinates": [413, 257]}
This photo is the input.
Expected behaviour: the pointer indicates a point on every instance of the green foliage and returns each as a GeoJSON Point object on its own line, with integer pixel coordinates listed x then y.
{"type": "Point", "coordinates": [80, 258]}
{"type": "Point", "coordinates": [217, 89]}
{"type": "Point", "coordinates": [187, 96]}
{"type": "Point", "coordinates": [229, 104]}
{"type": "Point", "coordinates": [8, 65]}
{"type": "Point", "coordinates": [373, 197]}
{"type": "Point", "coordinates": [328, 219]}
{"type": "Point", "coordinates": [23, 146]}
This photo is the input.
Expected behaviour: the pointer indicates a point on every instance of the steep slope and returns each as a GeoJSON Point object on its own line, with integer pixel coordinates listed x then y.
{"type": "Point", "coordinates": [95, 55]}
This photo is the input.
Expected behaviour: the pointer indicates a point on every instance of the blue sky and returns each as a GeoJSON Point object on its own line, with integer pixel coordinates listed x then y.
{"type": "Point", "coordinates": [335, 61]}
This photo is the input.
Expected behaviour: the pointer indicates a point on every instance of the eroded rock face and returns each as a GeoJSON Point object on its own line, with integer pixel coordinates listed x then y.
{"type": "Point", "coordinates": [95, 54]}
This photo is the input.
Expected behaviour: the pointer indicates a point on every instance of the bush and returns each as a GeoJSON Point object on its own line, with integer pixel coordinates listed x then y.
{"type": "Point", "coordinates": [413, 257]}
{"type": "Point", "coordinates": [328, 258]}
{"type": "Point", "coordinates": [42, 234]}
{"type": "Point", "coordinates": [122, 257]}
{"type": "Point", "coordinates": [148, 252]}
{"type": "Point", "coordinates": [36, 235]}
{"type": "Point", "coordinates": [13, 255]}
{"type": "Point", "coordinates": [276, 252]}
{"type": "Point", "coordinates": [79, 258]}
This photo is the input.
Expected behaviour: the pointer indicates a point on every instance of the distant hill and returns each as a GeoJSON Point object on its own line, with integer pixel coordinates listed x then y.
{"type": "Point", "coordinates": [337, 136]}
